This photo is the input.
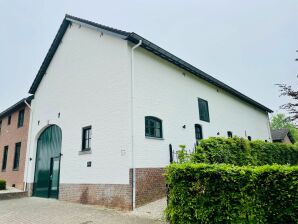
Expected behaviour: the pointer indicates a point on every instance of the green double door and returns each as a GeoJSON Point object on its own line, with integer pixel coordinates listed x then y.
{"type": "Point", "coordinates": [47, 167]}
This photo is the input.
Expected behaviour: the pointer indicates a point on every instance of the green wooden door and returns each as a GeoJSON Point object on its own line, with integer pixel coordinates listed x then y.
{"type": "Point", "coordinates": [47, 167]}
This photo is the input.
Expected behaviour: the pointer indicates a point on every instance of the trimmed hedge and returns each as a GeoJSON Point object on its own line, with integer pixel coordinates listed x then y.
{"type": "Point", "coordinates": [219, 193]}
{"type": "Point", "coordinates": [241, 152]}
{"type": "Point", "coordinates": [2, 184]}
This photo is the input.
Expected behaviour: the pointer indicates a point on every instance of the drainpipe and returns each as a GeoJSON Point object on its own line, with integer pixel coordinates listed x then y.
{"type": "Point", "coordinates": [269, 128]}
{"type": "Point", "coordinates": [29, 145]}
{"type": "Point", "coordinates": [28, 105]}
{"type": "Point", "coordinates": [132, 128]}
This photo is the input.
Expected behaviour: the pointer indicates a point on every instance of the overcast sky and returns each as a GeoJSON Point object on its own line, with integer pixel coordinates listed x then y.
{"type": "Point", "coordinates": [249, 45]}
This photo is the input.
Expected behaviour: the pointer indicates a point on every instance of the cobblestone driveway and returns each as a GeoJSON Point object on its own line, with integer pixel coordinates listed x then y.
{"type": "Point", "coordinates": [38, 210]}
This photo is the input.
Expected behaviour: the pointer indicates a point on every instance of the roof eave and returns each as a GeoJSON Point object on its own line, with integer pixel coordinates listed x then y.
{"type": "Point", "coordinates": [51, 52]}
{"type": "Point", "coordinates": [133, 37]}
{"type": "Point", "coordinates": [16, 106]}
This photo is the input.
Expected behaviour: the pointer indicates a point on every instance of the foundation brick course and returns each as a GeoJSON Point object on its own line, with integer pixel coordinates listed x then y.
{"type": "Point", "coordinates": [150, 186]}
{"type": "Point", "coordinates": [108, 195]}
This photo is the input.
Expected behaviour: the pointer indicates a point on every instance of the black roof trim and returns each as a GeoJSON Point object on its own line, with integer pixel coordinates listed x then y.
{"type": "Point", "coordinates": [135, 38]}
{"type": "Point", "coordinates": [16, 106]}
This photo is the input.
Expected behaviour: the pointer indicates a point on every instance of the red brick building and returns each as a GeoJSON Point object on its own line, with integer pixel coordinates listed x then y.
{"type": "Point", "coordinates": [14, 125]}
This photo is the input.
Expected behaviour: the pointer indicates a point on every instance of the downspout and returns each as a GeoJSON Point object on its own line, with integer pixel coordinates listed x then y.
{"type": "Point", "coordinates": [132, 127]}
{"type": "Point", "coordinates": [29, 145]}
{"type": "Point", "coordinates": [269, 128]}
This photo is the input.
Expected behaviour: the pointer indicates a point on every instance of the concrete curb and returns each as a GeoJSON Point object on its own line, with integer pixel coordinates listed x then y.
{"type": "Point", "coordinates": [13, 195]}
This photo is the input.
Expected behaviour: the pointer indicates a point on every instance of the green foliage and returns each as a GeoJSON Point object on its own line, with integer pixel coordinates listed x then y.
{"type": "Point", "coordinates": [182, 155]}
{"type": "Point", "coordinates": [2, 184]}
{"type": "Point", "coordinates": [281, 121]}
{"type": "Point", "coordinates": [241, 152]}
{"type": "Point", "coordinates": [220, 193]}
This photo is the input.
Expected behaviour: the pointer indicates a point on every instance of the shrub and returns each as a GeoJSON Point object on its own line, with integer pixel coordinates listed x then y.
{"type": "Point", "coordinates": [220, 193]}
{"type": "Point", "coordinates": [2, 184]}
{"type": "Point", "coordinates": [240, 152]}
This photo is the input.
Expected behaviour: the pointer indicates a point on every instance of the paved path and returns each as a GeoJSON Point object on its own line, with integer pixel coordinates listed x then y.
{"type": "Point", "coordinates": [154, 210]}
{"type": "Point", "coordinates": [40, 211]}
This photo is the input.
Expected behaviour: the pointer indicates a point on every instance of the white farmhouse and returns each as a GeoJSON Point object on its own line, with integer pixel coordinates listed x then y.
{"type": "Point", "coordinates": [108, 104]}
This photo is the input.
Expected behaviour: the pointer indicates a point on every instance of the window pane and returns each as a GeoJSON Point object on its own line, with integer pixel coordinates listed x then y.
{"type": "Point", "coordinates": [203, 110]}
{"type": "Point", "coordinates": [151, 132]}
{"type": "Point", "coordinates": [153, 127]}
{"type": "Point", "coordinates": [151, 123]}
{"type": "Point", "coordinates": [157, 133]}
{"type": "Point", "coordinates": [17, 156]}
{"type": "Point", "coordinates": [198, 130]}
{"type": "Point", "coordinates": [21, 118]}
{"type": "Point", "coordinates": [86, 139]}
{"type": "Point", "coordinates": [157, 124]}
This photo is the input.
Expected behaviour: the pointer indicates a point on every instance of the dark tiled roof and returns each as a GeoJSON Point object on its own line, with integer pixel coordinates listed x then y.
{"type": "Point", "coordinates": [135, 38]}
{"type": "Point", "coordinates": [15, 107]}
{"type": "Point", "coordinates": [280, 134]}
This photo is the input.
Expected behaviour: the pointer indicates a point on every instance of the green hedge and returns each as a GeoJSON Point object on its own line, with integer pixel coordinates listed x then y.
{"type": "Point", "coordinates": [240, 152]}
{"type": "Point", "coordinates": [2, 184]}
{"type": "Point", "coordinates": [219, 193]}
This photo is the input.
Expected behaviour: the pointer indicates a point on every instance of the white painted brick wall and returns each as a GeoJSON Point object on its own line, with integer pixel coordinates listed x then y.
{"type": "Point", "coordinates": [88, 82]}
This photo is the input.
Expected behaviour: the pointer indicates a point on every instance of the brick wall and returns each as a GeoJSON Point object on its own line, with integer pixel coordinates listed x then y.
{"type": "Point", "coordinates": [108, 195]}
{"type": "Point", "coordinates": [9, 136]}
{"type": "Point", "coordinates": [150, 185]}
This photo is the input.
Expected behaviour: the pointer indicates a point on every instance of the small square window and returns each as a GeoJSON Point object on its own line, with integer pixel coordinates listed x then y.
{"type": "Point", "coordinates": [86, 138]}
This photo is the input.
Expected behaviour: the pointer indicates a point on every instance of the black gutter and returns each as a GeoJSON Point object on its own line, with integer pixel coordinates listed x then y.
{"type": "Point", "coordinates": [16, 107]}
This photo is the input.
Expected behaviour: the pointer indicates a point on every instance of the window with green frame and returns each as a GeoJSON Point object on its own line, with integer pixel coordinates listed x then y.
{"type": "Point", "coordinates": [153, 127]}
{"type": "Point", "coordinates": [4, 158]}
{"type": "Point", "coordinates": [86, 138]}
{"type": "Point", "coordinates": [203, 110]}
{"type": "Point", "coordinates": [17, 152]}
{"type": "Point", "coordinates": [199, 132]}
{"type": "Point", "coordinates": [21, 118]}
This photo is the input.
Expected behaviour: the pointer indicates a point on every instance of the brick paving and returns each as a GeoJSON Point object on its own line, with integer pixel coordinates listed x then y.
{"type": "Point", "coordinates": [37, 210]}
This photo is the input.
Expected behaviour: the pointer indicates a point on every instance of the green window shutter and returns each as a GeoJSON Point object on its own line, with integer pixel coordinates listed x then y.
{"type": "Point", "coordinates": [203, 110]}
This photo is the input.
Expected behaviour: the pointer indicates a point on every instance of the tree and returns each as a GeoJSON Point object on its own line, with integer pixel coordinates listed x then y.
{"type": "Point", "coordinates": [281, 121]}
{"type": "Point", "coordinates": [286, 90]}
{"type": "Point", "coordinates": [291, 107]}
